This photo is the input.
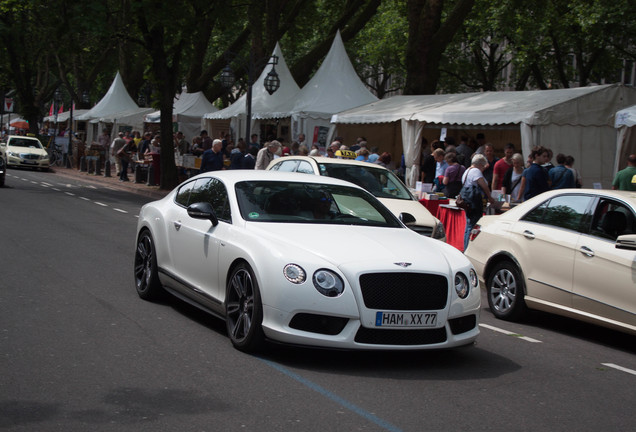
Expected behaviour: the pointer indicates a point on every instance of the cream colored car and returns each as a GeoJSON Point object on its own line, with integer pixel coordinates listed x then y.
{"type": "Point", "coordinates": [571, 252]}
{"type": "Point", "coordinates": [377, 180]}
{"type": "Point", "coordinates": [25, 151]}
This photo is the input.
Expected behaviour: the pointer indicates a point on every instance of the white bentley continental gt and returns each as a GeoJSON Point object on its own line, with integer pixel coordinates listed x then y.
{"type": "Point", "coordinates": [304, 260]}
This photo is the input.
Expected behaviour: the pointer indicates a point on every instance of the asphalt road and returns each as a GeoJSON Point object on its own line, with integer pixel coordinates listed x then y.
{"type": "Point", "coordinates": [81, 352]}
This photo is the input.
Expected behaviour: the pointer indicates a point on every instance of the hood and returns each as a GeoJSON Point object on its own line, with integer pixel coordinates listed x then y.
{"type": "Point", "coordinates": [344, 245]}
{"type": "Point", "coordinates": [421, 214]}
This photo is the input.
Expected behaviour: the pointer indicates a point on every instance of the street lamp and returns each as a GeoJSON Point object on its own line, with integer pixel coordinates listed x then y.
{"type": "Point", "coordinates": [271, 83]}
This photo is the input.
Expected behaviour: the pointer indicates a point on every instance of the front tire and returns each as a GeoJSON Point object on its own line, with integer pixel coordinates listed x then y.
{"type": "Point", "coordinates": [244, 310]}
{"type": "Point", "coordinates": [505, 290]}
{"type": "Point", "coordinates": [146, 274]}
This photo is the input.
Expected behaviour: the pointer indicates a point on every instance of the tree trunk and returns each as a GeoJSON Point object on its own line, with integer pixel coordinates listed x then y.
{"type": "Point", "coordinates": [428, 38]}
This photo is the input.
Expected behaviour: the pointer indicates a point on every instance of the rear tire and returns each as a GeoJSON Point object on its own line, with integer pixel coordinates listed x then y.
{"type": "Point", "coordinates": [146, 273]}
{"type": "Point", "coordinates": [244, 310]}
{"type": "Point", "coordinates": [505, 289]}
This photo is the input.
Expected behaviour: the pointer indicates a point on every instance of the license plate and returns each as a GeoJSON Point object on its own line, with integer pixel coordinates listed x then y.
{"type": "Point", "coordinates": [405, 319]}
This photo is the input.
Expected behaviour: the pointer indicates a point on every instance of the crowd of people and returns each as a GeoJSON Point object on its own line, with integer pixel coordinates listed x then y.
{"type": "Point", "coordinates": [444, 165]}
{"type": "Point", "coordinates": [130, 147]}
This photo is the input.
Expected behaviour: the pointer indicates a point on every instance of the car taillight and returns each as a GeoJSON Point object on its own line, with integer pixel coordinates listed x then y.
{"type": "Point", "coordinates": [475, 232]}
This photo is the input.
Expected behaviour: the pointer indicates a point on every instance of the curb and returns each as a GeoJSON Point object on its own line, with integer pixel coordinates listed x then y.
{"type": "Point", "coordinates": [111, 182]}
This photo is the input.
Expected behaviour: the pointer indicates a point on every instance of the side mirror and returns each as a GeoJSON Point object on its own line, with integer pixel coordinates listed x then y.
{"type": "Point", "coordinates": [627, 241]}
{"type": "Point", "coordinates": [203, 210]}
{"type": "Point", "coordinates": [407, 218]}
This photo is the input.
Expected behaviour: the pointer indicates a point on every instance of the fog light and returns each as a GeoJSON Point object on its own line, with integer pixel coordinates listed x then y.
{"type": "Point", "coordinates": [294, 273]}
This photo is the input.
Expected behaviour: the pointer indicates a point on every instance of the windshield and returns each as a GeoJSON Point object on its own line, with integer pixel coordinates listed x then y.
{"type": "Point", "coordinates": [314, 203]}
{"type": "Point", "coordinates": [24, 142]}
{"type": "Point", "coordinates": [381, 182]}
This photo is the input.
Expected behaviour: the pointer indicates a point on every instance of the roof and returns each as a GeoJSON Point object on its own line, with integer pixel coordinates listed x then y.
{"type": "Point", "coordinates": [186, 106]}
{"type": "Point", "coordinates": [261, 100]}
{"type": "Point", "coordinates": [114, 101]}
{"type": "Point", "coordinates": [575, 106]}
{"type": "Point", "coordinates": [328, 160]}
{"type": "Point", "coordinates": [626, 117]}
{"type": "Point", "coordinates": [334, 87]}
{"type": "Point", "coordinates": [63, 117]}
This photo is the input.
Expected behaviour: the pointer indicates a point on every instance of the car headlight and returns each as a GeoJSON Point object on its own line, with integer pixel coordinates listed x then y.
{"type": "Point", "coordinates": [42, 157]}
{"type": "Point", "coordinates": [294, 273]}
{"type": "Point", "coordinates": [461, 285]}
{"type": "Point", "coordinates": [328, 283]}
{"type": "Point", "coordinates": [439, 232]}
{"type": "Point", "coordinates": [13, 154]}
{"type": "Point", "coordinates": [474, 280]}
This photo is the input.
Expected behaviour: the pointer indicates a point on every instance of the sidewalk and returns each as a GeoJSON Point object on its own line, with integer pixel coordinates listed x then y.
{"type": "Point", "coordinates": [111, 182]}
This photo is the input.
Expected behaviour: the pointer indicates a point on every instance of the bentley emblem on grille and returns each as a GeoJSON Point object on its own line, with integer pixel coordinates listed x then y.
{"type": "Point", "coordinates": [403, 264]}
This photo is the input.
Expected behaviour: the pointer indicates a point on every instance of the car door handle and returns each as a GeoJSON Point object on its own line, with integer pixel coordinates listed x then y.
{"type": "Point", "coordinates": [177, 225]}
{"type": "Point", "coordinates": [528, 234]}
{"type": "Point", "coordinates": [586, 251]}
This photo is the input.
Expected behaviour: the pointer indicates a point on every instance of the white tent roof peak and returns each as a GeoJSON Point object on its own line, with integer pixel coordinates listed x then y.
{"type": "Point", "coordinates": [334, 87]}
{"type": "Point", "coordinates": [115, 100]}
{"type": "Point", "coordinates": [261, 100]}
{"type": "Point", "coordinates": [186, 106]}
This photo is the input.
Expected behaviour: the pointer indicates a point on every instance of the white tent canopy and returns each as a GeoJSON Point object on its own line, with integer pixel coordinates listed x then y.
{"type": "Point", "coordinates": [261, 99]}
{"type": "Point", "coordinates": [188, 111]}
{"type": "Point", "coordinates": [63, 117]}
{"type": "Point", "coordinates": [576, 121]}
{"type": "Point", "coordinates": [626, 136]}
{"type": "Point", "coordinates": [115, 104]}
{"type": "Point", "coordinates": [334, 87]}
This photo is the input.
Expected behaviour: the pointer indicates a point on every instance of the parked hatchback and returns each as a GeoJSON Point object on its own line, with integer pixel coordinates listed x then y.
{"type": "Point", "coordinates": [571, 252]}
{"type": "Point", "coordinates": [381, 182]}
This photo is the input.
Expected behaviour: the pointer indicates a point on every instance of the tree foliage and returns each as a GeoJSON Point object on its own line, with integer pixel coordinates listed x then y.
{"type": "Point", "coordinates": [409, 46]}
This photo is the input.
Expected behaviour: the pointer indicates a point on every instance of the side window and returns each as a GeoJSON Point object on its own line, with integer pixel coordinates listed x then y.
{"type": "Point", "coordinates": [213, 191]}
{"type": "Point", "coordinates": [612, 219]}
{"type": "Point", "coordinates": [565, 211]}
{"type": "Point", "coordinates": [286, 166]}
{"type": "Point", "coordinates": [183, 196]}
{"type": "Point", "coordinates": [305, 168]}
{"type": "Point", "coordinates": [219, 200]}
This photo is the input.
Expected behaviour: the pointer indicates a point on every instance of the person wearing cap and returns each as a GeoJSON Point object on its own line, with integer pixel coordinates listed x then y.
{"type": "Point", "coordinates": [266, 154]}
{"type": "Point", "coordinates": [332, 149]}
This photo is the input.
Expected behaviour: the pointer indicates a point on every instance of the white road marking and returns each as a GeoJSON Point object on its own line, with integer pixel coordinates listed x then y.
{"type": "Point", "coordinates": [101, 204]}
{"type": "Point", "coordinates": [85, 199]}
{"type": "Point", "coordinates": [120, 210]}
{"type": "Point", "coordinates": [69, 193]}
{"type": "Point", "coordinates": [56, 189]}
{"type": "Point", "coordinates": [509, 333]}
{"type": "Point", "coordinates": [620, 368]}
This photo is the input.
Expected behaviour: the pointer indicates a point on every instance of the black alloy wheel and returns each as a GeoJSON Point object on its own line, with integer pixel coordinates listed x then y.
{"type": "Point", "coordinates": [244, 310]}
{"type": "Point", "coordinates": [146, 275]}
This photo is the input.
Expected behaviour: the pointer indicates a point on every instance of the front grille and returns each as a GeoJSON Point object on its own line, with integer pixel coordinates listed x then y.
{"type": "Point", "coordinates": [404, 291]}
{"type": "Point", "coordinates": [462, 324]}
{"type": "Point", "coordinates": [29, 156]}
{"type": "Point", "coordinates": [400, 337]}
{"type": "Point", "coordinates": [426, 231]}
{"type": "Point", "coordinates": [322, 324]}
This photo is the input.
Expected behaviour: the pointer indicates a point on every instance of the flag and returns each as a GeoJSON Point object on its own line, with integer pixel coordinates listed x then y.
{"type": "Point", "coordinates": [61, 110]}
{"type": "Point", "coordinates": [51, 109]}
